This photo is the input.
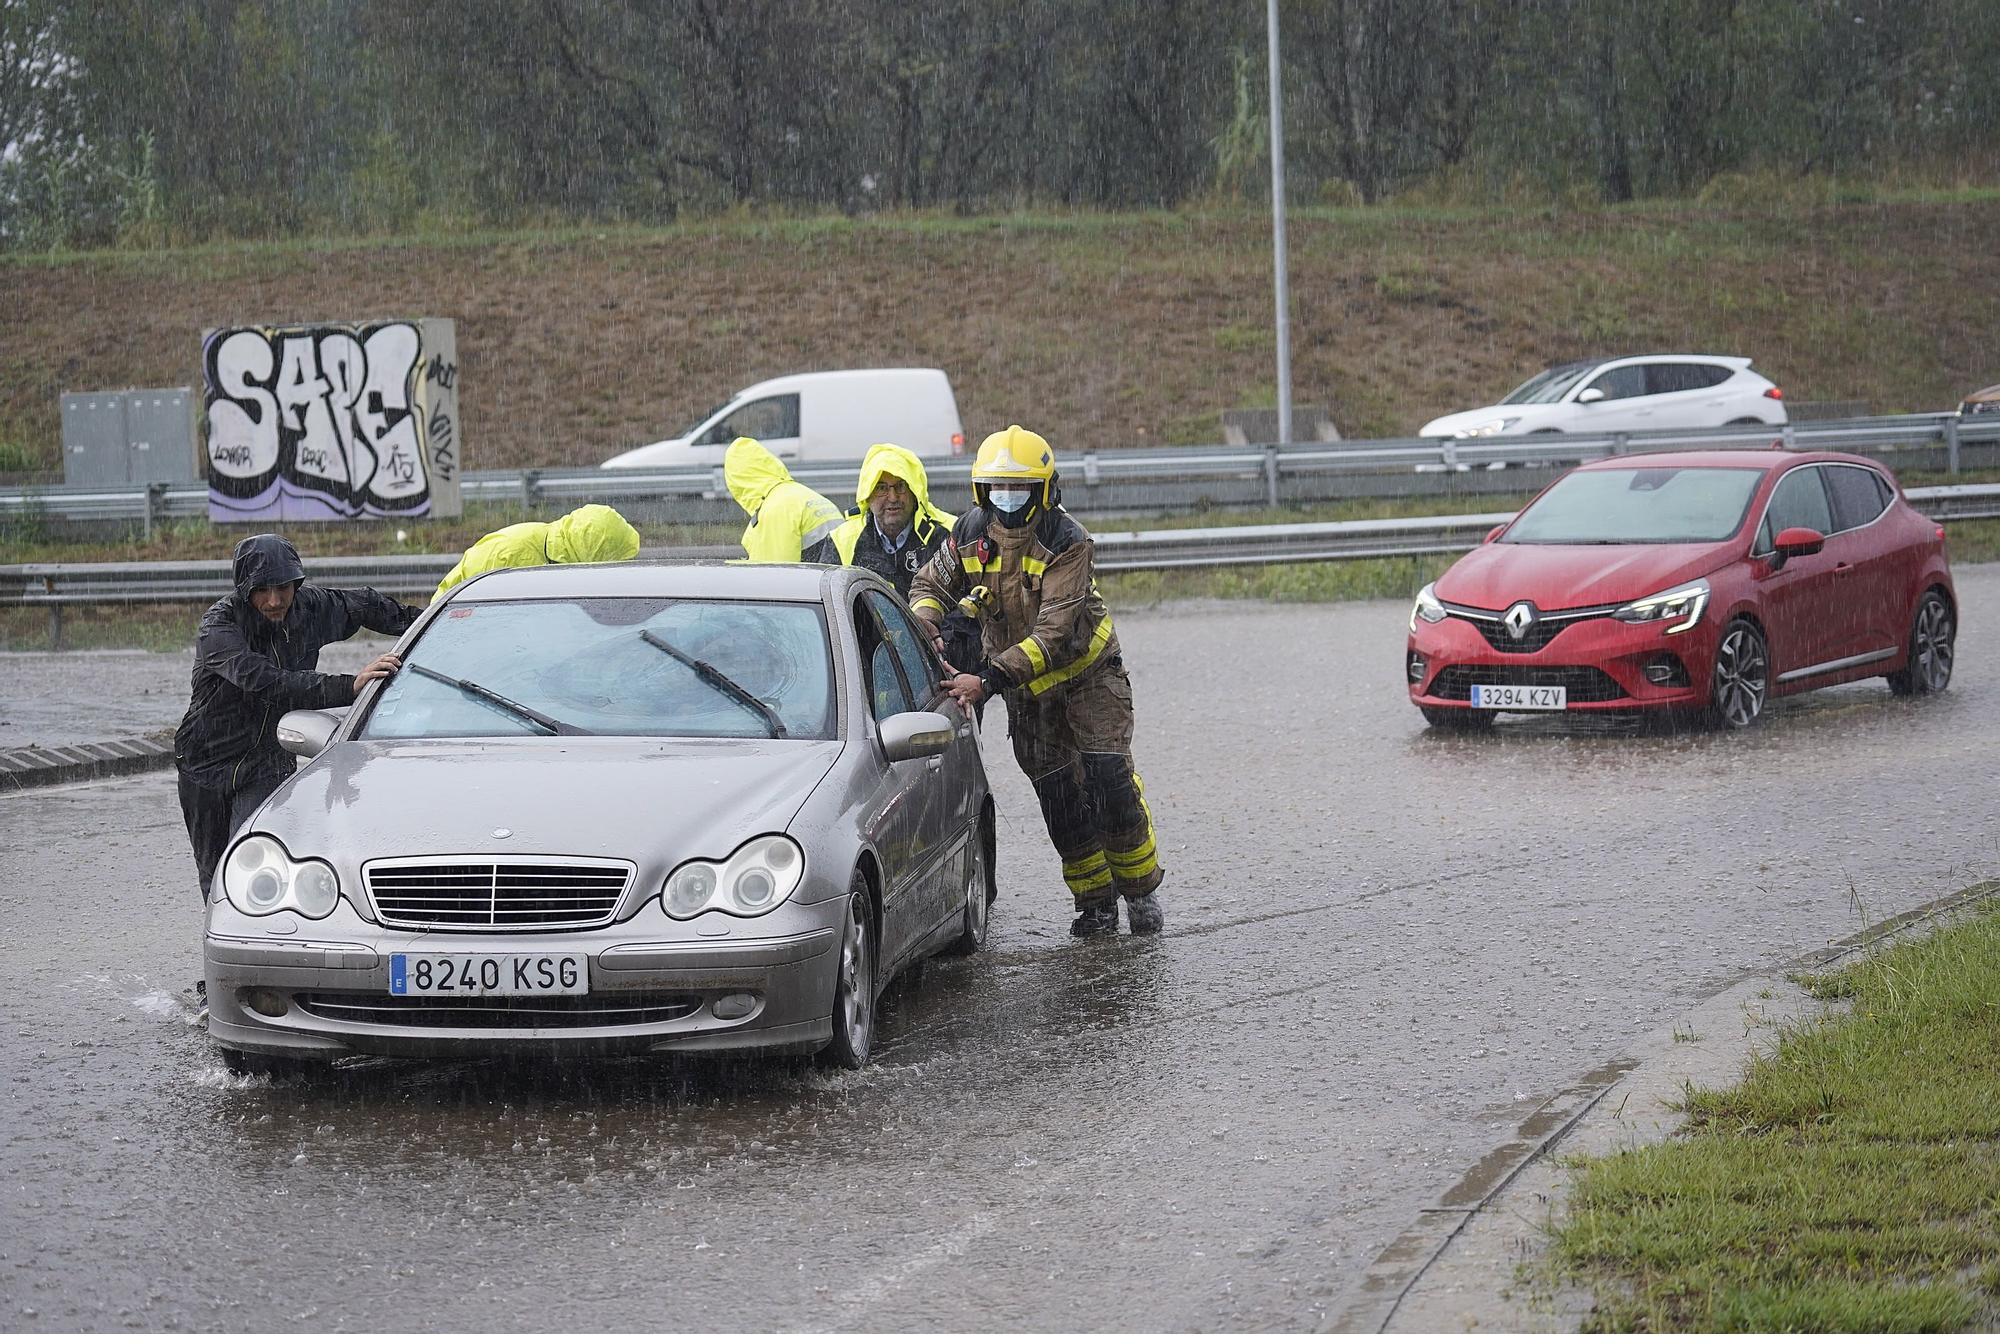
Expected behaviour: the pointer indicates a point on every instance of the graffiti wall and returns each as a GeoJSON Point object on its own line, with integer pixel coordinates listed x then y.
{"type": "Point", "coordinates": [332, 421]}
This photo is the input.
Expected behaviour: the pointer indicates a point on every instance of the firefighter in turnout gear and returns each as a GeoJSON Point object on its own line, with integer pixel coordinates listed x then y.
{"type": "Point", "coordinates": [894, 528]}
{"type": "Point", "coordinates": [1051, 651]}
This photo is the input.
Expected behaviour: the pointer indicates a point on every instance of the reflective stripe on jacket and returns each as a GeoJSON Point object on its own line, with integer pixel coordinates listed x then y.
{"type": "Point", "coordinates": [1052, 625]}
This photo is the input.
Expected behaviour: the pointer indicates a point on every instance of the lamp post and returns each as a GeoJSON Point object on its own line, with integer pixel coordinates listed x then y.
{"type": "Point", "coordinates": [1278, 236]}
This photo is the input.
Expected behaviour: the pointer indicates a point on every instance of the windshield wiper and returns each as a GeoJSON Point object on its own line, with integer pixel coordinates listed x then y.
{"type": "Point", "coordinates": [501, 702]}
{"type": "Point", "coordinates": [715, 677]}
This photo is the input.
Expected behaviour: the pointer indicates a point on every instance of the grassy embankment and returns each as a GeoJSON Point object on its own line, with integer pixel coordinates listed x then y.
{"type": "Point", "coordinates": [1110, 329]}
{"type": "Point", "coordinates": [1851, 1182]}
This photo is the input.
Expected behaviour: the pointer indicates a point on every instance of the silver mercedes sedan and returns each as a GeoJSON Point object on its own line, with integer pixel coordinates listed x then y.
{"type": "Point", "coordinates": [611, 809]}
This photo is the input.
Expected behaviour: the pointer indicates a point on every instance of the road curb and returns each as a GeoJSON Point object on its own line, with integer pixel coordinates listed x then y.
{"type": "Point", "coordinates": [1456, 1266]}
{"type": "Point", "coordinates": [45, 766]}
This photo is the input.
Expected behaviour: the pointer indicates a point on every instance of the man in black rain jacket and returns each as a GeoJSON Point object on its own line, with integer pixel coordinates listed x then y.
{"type": "Point", "coordinates": [256, 655]}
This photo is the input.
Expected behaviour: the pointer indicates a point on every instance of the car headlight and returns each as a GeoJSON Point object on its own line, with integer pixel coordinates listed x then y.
{"type": "Point", "coordinates": [756, 878]}
{"type": "Point", "coordinates": [1677, 608]}
{"type": "Point", "coordinates": [1493, 426]}
{"type": "Point", "coordinates": [1427, 607]}
{"type": "Point", "coordinates": [260, 878]}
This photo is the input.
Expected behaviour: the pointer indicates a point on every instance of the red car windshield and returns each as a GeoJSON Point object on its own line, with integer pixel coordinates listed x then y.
{"type": "Point", "coordinates": [1607, 506]}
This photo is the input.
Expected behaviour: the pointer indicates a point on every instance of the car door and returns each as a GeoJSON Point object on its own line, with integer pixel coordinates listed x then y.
{"type": "Point", "coordinates": [898, 809]}
{"type": "Point", "coordinates": [1874, 567]}
{"type": "Point", "coordinates": [1624, 406]}
{"type": "Point", "coordinates": [1795, 596]}
{"type": "Point", "coordinates": [946, 784]}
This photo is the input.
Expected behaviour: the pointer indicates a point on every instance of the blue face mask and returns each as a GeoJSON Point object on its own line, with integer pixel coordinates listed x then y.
{"type": "Point", "coordinates": [1009, 502]}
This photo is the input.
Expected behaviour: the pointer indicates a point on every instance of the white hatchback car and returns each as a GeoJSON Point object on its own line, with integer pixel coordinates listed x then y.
{"type": "Point", "coordinates": [1652, 393]}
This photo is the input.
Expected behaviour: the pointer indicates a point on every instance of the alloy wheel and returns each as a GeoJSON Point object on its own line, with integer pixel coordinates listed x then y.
{"type": "Point", "coordinates": [854, 986]}
{"type": "Point", "coordinates": [1932, 645]}
{"type": "Point", "coordinates": [1742, 675]}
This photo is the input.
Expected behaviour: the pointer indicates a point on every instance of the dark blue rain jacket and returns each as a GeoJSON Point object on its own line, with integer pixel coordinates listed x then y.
{"type": "Point", "coordinates": [248, 670]}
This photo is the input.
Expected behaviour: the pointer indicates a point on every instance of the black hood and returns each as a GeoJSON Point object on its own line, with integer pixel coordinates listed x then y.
{"type": "Point", "coordinates": [266, 559]}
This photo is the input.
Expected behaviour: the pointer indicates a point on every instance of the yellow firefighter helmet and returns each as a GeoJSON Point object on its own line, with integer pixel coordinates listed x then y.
{"type": "Point", "coordinates": [1016, 455]}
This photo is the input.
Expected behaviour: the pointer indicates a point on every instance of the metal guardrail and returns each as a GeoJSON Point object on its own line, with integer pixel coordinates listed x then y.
{"type": "Point", "coordinates": [1129, 480]}
{"type": "Point", "coordinates": [57, 586]}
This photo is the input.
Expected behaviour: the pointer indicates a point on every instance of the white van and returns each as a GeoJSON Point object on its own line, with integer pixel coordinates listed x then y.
{"type": "Point", "coordinates": [821, 416]}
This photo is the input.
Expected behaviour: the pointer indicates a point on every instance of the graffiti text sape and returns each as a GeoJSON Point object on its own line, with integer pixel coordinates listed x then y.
{"type": "Point", "coordinates": [317, 422]}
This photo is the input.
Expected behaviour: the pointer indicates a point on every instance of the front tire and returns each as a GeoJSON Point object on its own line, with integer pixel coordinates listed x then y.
{"type": "Point", "coordinates": [854, 984]}
{"type": "Point", "coordinates": [1933, 646]}
{"type": "Point", "coordinates": [1741, 679]}
{"type": "Point", "coordinates": [980, 890]}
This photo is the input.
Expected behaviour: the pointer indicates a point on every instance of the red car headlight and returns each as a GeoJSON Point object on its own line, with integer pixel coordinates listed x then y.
{"type": "Point", "coordinates": [1678, 608]}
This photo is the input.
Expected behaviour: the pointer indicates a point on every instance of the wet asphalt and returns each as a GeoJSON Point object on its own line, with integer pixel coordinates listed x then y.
{"type": "Point", "coordinates": [1385, 947]}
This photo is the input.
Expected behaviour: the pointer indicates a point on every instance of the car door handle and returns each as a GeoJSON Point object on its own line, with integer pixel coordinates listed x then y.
{"type": "Point", "coordinates": [1843, 568]}
{"type": "Point", "coordinates": [934, 763]}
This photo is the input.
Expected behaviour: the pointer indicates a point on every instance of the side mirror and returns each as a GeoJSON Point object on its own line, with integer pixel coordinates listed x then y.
{"type": "Point", "coordinates": [1798, 542]}
{"type": "Point", "coordinates": [910, 736]}
{"type": "Point", "coordinates": [306, 732]}
{"type": "Point", "coordinates": [1591, 395]}
{"type": "Point", "coordinates": [1493, 534]}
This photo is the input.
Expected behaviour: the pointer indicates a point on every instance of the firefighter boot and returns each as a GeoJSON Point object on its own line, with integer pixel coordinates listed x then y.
{"type": "Point", "coordinates": [1145, 914]}
{"type": "Point", "coordinates": [1096, 920]}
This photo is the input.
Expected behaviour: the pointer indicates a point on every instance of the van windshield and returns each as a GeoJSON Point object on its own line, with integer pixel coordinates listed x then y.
{"type": "Point", "coordinates": [695, 425]}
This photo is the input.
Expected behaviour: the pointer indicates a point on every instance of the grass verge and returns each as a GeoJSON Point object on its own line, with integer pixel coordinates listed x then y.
{"type": "Point", "coordinates": [1848, 1183]}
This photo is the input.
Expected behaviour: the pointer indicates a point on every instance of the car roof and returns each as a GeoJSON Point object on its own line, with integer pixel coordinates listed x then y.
{"type": "Point", "coordinates": [640, 578]}
{"type": "Point", "coordinates": [1761, 460]}
{"type": "Point", "coordinates": [883, 377]}
{"type": "Point", "coordinates": [1712, 358]}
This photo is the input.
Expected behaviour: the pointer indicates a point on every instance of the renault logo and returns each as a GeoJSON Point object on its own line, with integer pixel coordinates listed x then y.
{"type": "Point", "coordinates": [1519, 618]}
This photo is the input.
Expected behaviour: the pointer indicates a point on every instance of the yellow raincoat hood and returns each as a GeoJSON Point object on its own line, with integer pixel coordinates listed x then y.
{"type": "Point", "coordinates": [591, 534]}
{"type": "Point", "coordinates": [753, 473]}
{"type": "Point", "coordinates": [895, 461]}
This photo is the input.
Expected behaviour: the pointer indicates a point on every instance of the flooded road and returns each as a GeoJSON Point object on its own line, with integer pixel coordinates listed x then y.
{"type": "Point", "coordinates": [1385, 947]}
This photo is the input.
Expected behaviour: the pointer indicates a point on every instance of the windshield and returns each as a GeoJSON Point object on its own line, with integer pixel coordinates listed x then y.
{"type": "Point", "coordinates": [1615, 505]}
{"type": "Point", "coordinates": [593, 665]}
{"type": "Point", "coordinates": [1551, 384]}
{"type": "Point", "coordinates": [696, 425]}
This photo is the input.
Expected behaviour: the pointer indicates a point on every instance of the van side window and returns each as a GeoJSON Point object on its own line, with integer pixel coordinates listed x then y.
{"type": "Point", "coordinates": [774, 418]}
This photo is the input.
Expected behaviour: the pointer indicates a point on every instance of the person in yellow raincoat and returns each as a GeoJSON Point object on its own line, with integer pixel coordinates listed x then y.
{"type": "Point", "coordinates": [895, 529]}
{"type": "Point", "coordinates": [789, 521]}
{"type": "Point", "coordinates": [592, 533]}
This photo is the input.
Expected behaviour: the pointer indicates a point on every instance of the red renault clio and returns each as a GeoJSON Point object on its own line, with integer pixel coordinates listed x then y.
{"type": "Point", "coordinates": [1707, 581]}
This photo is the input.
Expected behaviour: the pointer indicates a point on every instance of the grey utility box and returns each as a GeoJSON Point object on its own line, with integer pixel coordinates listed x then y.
{"type": "Point", "coordinates": [129, 437]}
